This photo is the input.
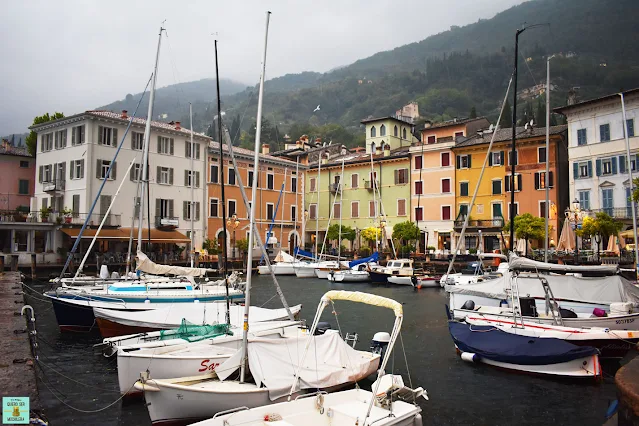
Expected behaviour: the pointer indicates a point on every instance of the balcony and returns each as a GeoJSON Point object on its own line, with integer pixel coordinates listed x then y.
{"type": "Point", "coordinates": [333, 187]}
{"type": "Point", "coordinates": [488, 224]}
{"type": "Point", "coordinates": [53, 185]}
{"type": "Point", "coordinates": [166, 222]}
{"type": "Point", "coordinates": [616, 212]}
{"type": "Point", "coordinates": [371, 184]}
{"type": "Point", "coordinates": [77, 219]}
{"type": "Point", "coordinates": [67, 220]}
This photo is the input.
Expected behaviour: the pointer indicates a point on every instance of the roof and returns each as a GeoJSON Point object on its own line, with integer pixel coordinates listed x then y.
{"type": "Point", "coordinates": [506, 134]}
{"type": "Point", "coordinates": [362, 157]}
{"type": "Point", "coordinates": [12, 150]}
{"type": "Point", "coordinates": [563, 109]}
{"type": "Point", "coordinates": [215, 146]}
{"type": "Point", "coordinates": [453, 122]}
{"type": "Point", "coordinates": [390, 117]}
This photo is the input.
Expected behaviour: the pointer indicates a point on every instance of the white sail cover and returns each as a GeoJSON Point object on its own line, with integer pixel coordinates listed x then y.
{"type": "Point", "coordinates": [284, 257]}
{"type": "Point", "coordinates": [330, 362]}
{"type": "Point", "coordinates": [145, 264]}
{"type": "Point", "coordinates": [524, 264]}
{"type": "Point", "coordinates": [605, 290]}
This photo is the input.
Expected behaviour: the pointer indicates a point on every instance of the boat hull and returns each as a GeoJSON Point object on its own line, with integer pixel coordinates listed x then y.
{"type": "Point", "coordinates": [378, 277]}
{"type": "Point", "coordinates": [278, 269]}
{"type": "Point", "coordinates": [73, 317]}
{"type": "Point", "coordinates": [305, 272]}
{"type": "Point", "coordinates": [349, 277]}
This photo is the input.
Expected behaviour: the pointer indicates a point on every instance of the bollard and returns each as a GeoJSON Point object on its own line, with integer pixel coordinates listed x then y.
{"type": "Point", "coordinates": [14, 262]}
{"type": "Point", "coordinates": [33, 266]}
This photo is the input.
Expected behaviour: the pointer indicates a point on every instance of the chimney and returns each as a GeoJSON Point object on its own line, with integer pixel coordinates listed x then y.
{"type": "Point", "coordinates": [386, 150]}
{"type": "Point", "coordinates": [178, 126]}
{"type": "Point", "coordinates": [427, 124]}
{"type": "Point", "coordinates": [265, 149]}
{"type": "Point", "coordinates": [299, 144]}
{"type": "Point", "coordinates": [124, 114]}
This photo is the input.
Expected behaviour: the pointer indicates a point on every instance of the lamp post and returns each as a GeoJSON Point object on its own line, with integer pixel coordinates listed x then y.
{"type": "Point", "coordinates": [574, 215]}
{"type": "Point", "coordinates": [382, 226]}
{"type": "Point", "coordinates": [233, 222]}
{"type": "Point", "coordinates": [304, 226]}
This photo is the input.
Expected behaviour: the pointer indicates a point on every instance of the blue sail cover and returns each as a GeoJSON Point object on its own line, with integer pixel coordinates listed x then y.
{"type": "Point", "coordinates": [497, 345]}
{"type": "Point", "coordinates": [299, 252]}
{"type": "Point", "coordinates": [373, 258]}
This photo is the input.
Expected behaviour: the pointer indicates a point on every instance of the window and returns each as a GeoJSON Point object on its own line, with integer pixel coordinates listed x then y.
{"type": "Point", "coordinates": [293, 212]}
{"type": "Point", "coordinates": [540, 180]}
{"type": "Point", "coordinates": [231, 180]}
{"type": "Point", "coordinates": [191, 178]}
{"type": "Point", "coordinates": [418, 162]}
{"type": "Point", "coordinates": [510, 159]}
{"type": "Point", "coordinates": [401, 177]}
{"type": "Point", "coordinates": [583, 169]}
{"type": "Point", "coordinates": [542, 209]}
{"type": "Point", "coordinates": [463, 161]}
{"type": "Point", "coordinates": [103, 168]}
{"type": "Point", "coordinates": [163, 208]}
{"type": "Point", "coordinates": [45, 173]}
{"type": "Point", "coordinates": [231, 208]}
{"type": "Point", "coordinates": [607, 166]}
{"type": "Point", "coordinates": [496, 210]}
{"type": "Point", "coordinates": [445, 212]}
{"type": "Point", "coordinates": [312, 184]}
{"type": "Point", "coordinates": [373, 132]}
{"type": "Point", "coordinates": [214, 173]}
{"type": "Point", "coordinates": [294, 184]}
{"type": "Point", "coordinates": [77, 135]}
{"type": "Point", "coordinates": [512, 213]}
{"type": "Point", "coordinates": [136, 172]}
{"type": "Point", "coordinates": [249, 180]}
{"type": "Point", "coordinates": [355, 180]}
{"type": "Point", "coordinates": [582, 137]}
{"type": "Point", "coordinates": [604, 132]}
{"type": "Point", "coordinates": [584, 200]}
{"type": "Point", "coordinates": [107, 136]}
{"type": "Point", "coordinates": [623, 163]}
{"type": "Point", "coordinates": [372, 211]}
{"type": "Point", "coordinates": [187, 149]}
{"type": "Point", "coordinates": [337, 210]}
{"type": "Point", "coordinates": [382, 130]}
{"type": "Point", "coordinates": [76, 169]}
{"type": "Point", "coordinates": [354, 209]}
{"type": "Point", "coordinates": [496, 158]}
{"type": "Point", "coordinates": [607, 200]}
{"type": "Point", "coordinates": [419, 187]}
{"type": "Point", "coordinates": [419, 213]}
{"type": "Point", "coordinates": [61, 139]}
{"type": "Point", "coordinates": [270, 181]}
{"type": "Point", "coordinates": [165, 176]}
{"type": "Point", "coordinates": [24, 164]}
{"type": "Point", "coordinates": [395, 133]}
{"type": "Point", "coordinates": [463, 210]}
{"type": "Point", "coordinates": [630, 125]}
{"type": "Point", "coordinates": [431, 139]}
{"type": "Point", "coordinates": [496, 186]}
{"type": "Point", "coordinates": [404, 133]}
{"type": "Point", "coordinates": [75, 205]}
{"type": "Point", "coordinates": [46, 143]}
{"type": "Point", "coordinates": [312, 211]}
{"type": "Point", "coordinates": [541, 154]}
{"type": "Point", "coordinates": [214, 206]}
{"type": "Point", "coordinates": [401, 207]}
{"type": "Point", "coordinates": [463, 189]}
{"type": "Point", "coordinates": [445, 186]}
{"type": "Point", "coordinates": [23, 187]}
{"type": "Point", "coordinates": [445, 159]}
{"type": "Point", "coordinates": [518, 182]}
{"type": "Point", "coordinates": [459, 134]}
{"type": "Point", "coordinates": [165, 145]}
{"type": "Point", "coordinates": [137, 141]}
{"type": "Point", "coordinates": [191, 211]}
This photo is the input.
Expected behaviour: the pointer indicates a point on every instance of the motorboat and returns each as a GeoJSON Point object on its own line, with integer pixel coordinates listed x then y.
{"type": "Point", "coordinates": [350, 276]}
{"type": "Point", "coordinates": [477, 271]}
{"type": "Point", "coordinates": [308, 269]}
{"type": "Point", "coordinates": [417, 281]}
{"type": "Point", "coordinates": [398, 267]}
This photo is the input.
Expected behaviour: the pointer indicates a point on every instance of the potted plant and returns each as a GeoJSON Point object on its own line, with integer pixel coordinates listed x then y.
{"type": "Point", "coordinates": [211, 248]}
{"type": "Point", "coordinates": [19, 216]}
{"type": "Point", "coordinates": [68, 214]}
{"type": "Point", "coordinates": [44, 213]}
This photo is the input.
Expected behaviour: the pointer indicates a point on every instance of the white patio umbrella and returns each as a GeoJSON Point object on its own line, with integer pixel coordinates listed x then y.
{"type": "Point", "coordinates": [567, 238]}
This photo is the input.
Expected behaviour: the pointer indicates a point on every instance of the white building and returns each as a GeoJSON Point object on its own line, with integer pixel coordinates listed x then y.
{"type": "Point", "coordinates": [599, 166]}
{"type": "Point", "coordinates": [73, 157]}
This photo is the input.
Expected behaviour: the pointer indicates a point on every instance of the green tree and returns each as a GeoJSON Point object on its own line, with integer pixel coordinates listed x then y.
{"type": "Point", "coordinates": [473, 113]}
{"type": "Point", "coordinates": [528, 227]}
{"type": "Point", "coordinates": [635, 192]}
{"type": "Point", "coordinates": [234, 130]}
{"type": "Point", "coordinates": [506, 117]}
{"type": "Point", "coordinates": [599, 227]}
{"type": "Point", "coordinates": [541, 113]}
{"type": "Point", "coordinates": [347, 233]}
{"type": "Point", "coordinates": [405, 231]}
{"type": "Point", "coordinates": [32, 139]}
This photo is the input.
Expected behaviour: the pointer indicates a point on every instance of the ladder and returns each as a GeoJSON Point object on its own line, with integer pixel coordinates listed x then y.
{"type": "Point", "coordinates": [556, 315]}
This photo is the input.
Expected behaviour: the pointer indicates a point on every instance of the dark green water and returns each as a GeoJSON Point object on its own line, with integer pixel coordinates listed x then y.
{"type": "Point", "coordinates": [460, 393]}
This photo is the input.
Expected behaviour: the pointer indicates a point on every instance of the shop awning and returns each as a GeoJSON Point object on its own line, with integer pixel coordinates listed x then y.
{"type": "Point", "coordinates": [122, 234]}
{"type": "Point", "coordinates": [89, 233]}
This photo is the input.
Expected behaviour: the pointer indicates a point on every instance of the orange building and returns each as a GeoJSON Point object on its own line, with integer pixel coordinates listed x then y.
{"type": "Point", "coordinates": [280, 198]}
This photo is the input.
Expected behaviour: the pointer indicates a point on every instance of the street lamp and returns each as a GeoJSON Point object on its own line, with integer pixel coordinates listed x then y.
{"type": "Point", "coordinates": [233, 222]}
{"type": "Point", "coordinates": [382, 226]}
{"type": "Point", "coordinates": [574, 215]}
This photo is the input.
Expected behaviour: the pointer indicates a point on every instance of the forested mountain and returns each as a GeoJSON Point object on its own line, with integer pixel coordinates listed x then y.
{"type": "Point", "coordinates": [447, 74]}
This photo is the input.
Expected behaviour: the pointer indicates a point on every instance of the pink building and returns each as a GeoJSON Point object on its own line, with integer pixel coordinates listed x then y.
{"type": "Point", "coordinates": [17, 177]}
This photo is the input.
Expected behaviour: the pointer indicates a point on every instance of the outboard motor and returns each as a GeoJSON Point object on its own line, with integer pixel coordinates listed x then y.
{"type": "Point", "coordinates": [568, 313]}
{"type": "Point", "coordinates": [380, 342]}
{"type": "Point", "coordinates": [469, 305]}
{"type": "Point", "coordinates": [322, 327]}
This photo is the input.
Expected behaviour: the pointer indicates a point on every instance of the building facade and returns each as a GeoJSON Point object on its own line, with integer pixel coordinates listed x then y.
{"type": "Point", "coordinates": [599, 164]}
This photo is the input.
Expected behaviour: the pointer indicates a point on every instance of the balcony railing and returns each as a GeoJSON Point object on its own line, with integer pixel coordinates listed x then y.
{"type": "Point", "coordinates": [72, 219]}
{"type": "Point", "coordinates": [616, 212]}
{"type": "Point", "coordinates": [166, 222]}
{"type": "Point", "coordinates": [53, 185]}
{"type": "Point", "coordinates": [371, 184]}
{"type": "Point", "coordinates": [333, 187]}
{"type": "Point", "coordinates": [481, 223]}
{"type": "Point", "coordinates": [77, 219]}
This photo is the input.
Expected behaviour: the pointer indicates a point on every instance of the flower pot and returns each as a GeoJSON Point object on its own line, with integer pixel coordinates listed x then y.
{"type": "Point", "coordinates": [67, 220]}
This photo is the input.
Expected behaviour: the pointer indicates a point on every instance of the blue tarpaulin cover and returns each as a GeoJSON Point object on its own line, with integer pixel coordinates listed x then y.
{"type": "Point", "coordinates": [300, 252]}
{"type": "Point", "coordinates": [373, 258]}
{"type": "Point", "coordinates": [494, 344]}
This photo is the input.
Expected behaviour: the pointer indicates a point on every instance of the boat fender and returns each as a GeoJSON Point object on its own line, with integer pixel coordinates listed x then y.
{"type": "Point", "coordinates": [417, 420]}
{"type": "Point", "coordinates": [469, 305]}
{"type": "Point", "coordinates": [469, 357]}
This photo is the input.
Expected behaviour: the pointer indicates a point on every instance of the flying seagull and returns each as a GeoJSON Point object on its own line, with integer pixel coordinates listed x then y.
{"type": "Point", "coordinates": [316, 108]}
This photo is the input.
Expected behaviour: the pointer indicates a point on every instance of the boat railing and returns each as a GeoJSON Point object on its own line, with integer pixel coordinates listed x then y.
{"type": "Point", "coordinates": [232, 410]}
{"type": "Point", "coordinates": [308, 395]}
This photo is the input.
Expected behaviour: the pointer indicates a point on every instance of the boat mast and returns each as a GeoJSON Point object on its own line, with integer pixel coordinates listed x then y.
{"type": "Point", "coordinates": [375, 208]}
{"type": "Point", "coordinates": [297, 205]}
{"type": "Point", "coordinates": [192, 187]}
{"type": "Point", "coordinates": [319, 168]}
{"type": "Point", "coordinates": [256, 160]}
{"type": "Point", "coordinates": [221, 168]}
{"type": "Point", "coordinates": [341, 213]}
{"type": "Point", "coordinates": [147, 137]}
{"type": "Point", "coordinates": [513, 152]}
{"type": "Point", "coordinates": [631, 184]}
{"type": "Point", "coordinates": [547, 178]}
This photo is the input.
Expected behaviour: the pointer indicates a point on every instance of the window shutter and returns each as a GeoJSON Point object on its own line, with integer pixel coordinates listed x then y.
{"type": "Point", "coordinates": [40, 172]}
{"type": "Point", "coordinates": [82, 134]}
{"type": "Point", "coordinates": [613, 160]}
{"type": "Point", "coordinates": [197, 147]}
{"type": "Point", "coordinates": [470, 157]}
{"type": "Point", "coordinates": [81, 169]}
{"type": "Point", "coordinates": [71, 164]}
{"type": "Point", "coordinates": [622, 164]}
{"type": "Point", "coordinates": [158, 175]}
{"type": "Point", "coordinates": [75, 207]}
{"type": "Point", "coordinates": [132, 174]}
{"type": "Point", "coordinates": [113, 175]}
{"type": "Point", "coordinates": [42, 143]}
{"type": "Point", "coordinates": [589, 168]}
{"type": "Point", "coordinates": [186, 178]}
{"type": "Point", "coordinates": [197, 179]}
{"type": "Point", "coordinates": [184, 209]}
{"type": "Point", "coordinates": [537, 180]}
{"type": "Point", "coordinates": [186, 149]}
{"type": "Point", "coordinates": [73, 132]}
{"type": "Point", "coordinates": [133, 140]}
{"type": "Point", "coordinates": [171, 176]}
{"type": "Point", "coordinates": [396, 174]}
{"type": "Point", "coordinates": [490, 158]}
{"type": "Point", "coordinates": [157, 208]}
{"type": "Point", "coordinates": [65, 137]}
{"type": "Point", "coordinates": [551, 180]}
{"type": "Point", "coordinates": [100, 135]}
{"type": "Point", "coordinates": [519, 183]}
{"type": "Point", "coordinates": [171, 145]}
{"type": "Point", "coordinates": [598, 166]}
{"type": "Point", "coordinates": [159, 144]}
{"type": "Point", "coordinates": [171, 209]}
{"type": "Point", "coordinates": [98, 167]}
{"type": "Point", "coordinates": [458, 161]}
{"type": "Point", "coordinates": [575, 170]}
{"type": "Point", "coordinates": [197, 211]}
{"type": "Point", "coordinates": [501, 158]}
{"type": "Point", "coordinates": [507, 183]}
{"type": "Point", "coordinates": [114, 137]}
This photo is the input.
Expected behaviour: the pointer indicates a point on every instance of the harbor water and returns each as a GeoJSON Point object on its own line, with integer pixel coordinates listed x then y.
{"type": "Point", "coordinates": [79, 386]}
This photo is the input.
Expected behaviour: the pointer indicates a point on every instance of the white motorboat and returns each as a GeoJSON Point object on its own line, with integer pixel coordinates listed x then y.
{"type": "Point", "coordinates": [477, 272]}
{"type": "Point", "coordinates": [349, 276]}
{"type": "Point", "coordinates": [309, 270]}
{"type": "Point", "coordinates": [417, 281]}
{"type": "Point", "coordinates": [398, 267]}
{"type": "Point", "coordinates": [283, 264]}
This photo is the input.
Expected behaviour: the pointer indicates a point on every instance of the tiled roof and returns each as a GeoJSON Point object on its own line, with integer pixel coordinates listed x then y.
{"type": "Point", "coordinates": [215, 146]}
{"type": "Point", "coordinates": [12, 150]}
{"type": "Point", "coordinates": [563, 109]}
{"type": "Point", "coordinates": [455, 122]}
{"type": "Point", "coordinates": [358, 157]}
{"type": "Point", "coordinates": [141, 121]}
{"type": "Point", "coordinates": [506, 135]}
{"type": "Point", "coordinates": [369, 120]}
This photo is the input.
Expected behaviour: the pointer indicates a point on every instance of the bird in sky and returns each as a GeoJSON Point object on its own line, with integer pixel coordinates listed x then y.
{"type": "Point", "coordinates": [317, 108]}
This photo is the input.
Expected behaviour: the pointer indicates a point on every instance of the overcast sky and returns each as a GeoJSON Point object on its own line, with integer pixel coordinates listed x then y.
{"type": "Point", "coordinates": [71, 56]}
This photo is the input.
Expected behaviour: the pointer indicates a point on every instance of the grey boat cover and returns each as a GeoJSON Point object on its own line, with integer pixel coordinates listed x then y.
{"type": "Point", "coordinates": [524, 264]}
{"type": "Point", "coordinates": [602, 290]}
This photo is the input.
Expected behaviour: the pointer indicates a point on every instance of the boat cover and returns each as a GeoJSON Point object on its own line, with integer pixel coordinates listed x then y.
{"type": "Point", "coordinates": [372, 258]}
{"type": "Point", "coordinates": [145, 264]}
{"type": "Point", "coordinates": [496, 345]}
{"type": "Point", "coordinates": [194, 333]}
{"type": "Point", "coordinates": [300, 252]}
{"type": "Point", "coordinates": [524, 264]}
{"type": "Point", "coordinates": [599, 290]}
{"type": "Point", "coordinates": [330, 361]}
